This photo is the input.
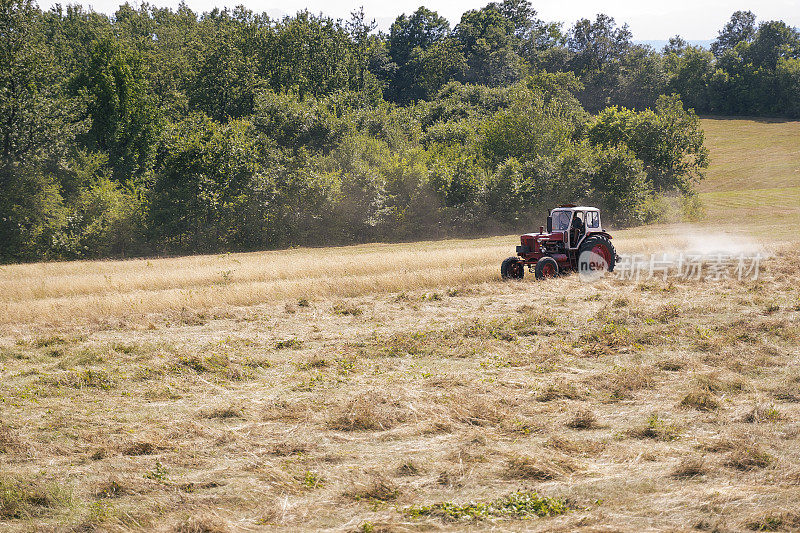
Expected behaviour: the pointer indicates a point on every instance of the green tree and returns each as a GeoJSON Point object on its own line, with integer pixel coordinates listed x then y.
{"type": "Point", "coordinates": [676, 45]}
{"type": "Point", "coordinates": [104, 219]}
{"type": "Point", "coordinates": [597, 50]}
{"type": "Point", "coordinates": [490, 46]}
{"type": "Point", "coordinates": [366, 48]}
{"type": "Point", "coordinates": [34, 115]}
{"type": "Point", "coordinates": [619, 184]}
{"type": "Point", "coordinates": [409, 39]}
{"type": "Point", "coordinates": [37, 128]}
{"type": "Point", "coordinates": [226, 80]}
{"type": "Point", "coordinates": [69, 33]}
{"type": "Point", "coordinates": [642, 78]}
{"type": "Point", "coordinates": [205, 171]}
{"type": "Point", "coordinates": [456, 174]}
{"type": "Point", "coordinates": [311, 55]}
{"type": "Point", "coordinates": [124, 120]}
{"type": "Point", "coordinates": [668, 140]}
{"type": "Point", "coordinates": [32, 217]}
{"type": "Point", "coordinates": [595, 45]}
{"type": "Point", "coordinates": [420, 30]}
{"type": "Point", "coordinates": [520, 13]}
{"type": "Point", "coordinates": [527, 129]}
{"type": "Point", "coordinates": [173, 63]}
{"type": "Point", "coordinates": [788, 87]}
{"type": "Point", "coordinates": [740, 28]}
{"type": "Point", "coordinates": [431, 68]}
{"type": "Point", "coordinates": [773, 41]}
{"type": "Point", "coordinates": [691, 73]}
{"type": "Point", "coordinates": [297, 125]}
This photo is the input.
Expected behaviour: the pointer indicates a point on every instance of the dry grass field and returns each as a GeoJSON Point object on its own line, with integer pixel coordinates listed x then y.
{"type": "Point", "coordinates": [406, 388]}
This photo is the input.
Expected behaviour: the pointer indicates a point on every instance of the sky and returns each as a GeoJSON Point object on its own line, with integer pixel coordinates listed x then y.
{"type": "Point", "coordinates": [648, 20]}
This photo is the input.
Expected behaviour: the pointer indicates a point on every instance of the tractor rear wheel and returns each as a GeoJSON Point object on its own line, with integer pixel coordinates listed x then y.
{"type": "Point", "coordinates": [602, 247]}
{"type": "Point", "coordinates": [512, 268]}
{"type": "Point", "coordinates": [546, 267]}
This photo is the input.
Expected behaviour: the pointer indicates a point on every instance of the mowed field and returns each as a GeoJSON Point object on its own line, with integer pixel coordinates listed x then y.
{"type": "Point", "coordinates": [406, 388]}
{"type": "Point", "coordinates": [754, 178]}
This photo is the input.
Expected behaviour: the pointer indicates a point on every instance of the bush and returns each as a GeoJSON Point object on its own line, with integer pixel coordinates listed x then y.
{"type": "Point", "coordinates": [33, 217]}
{"type": "Point", "coordinates": [667, 140]}
{"type": "Point", "coordinates": [520, 505]}
{"type": "Point", "coordinates": [105, 221]}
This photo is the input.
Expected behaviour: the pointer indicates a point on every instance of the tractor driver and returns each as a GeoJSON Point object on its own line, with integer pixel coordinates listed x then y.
{"type": "Point", "coordinates": [578, 228]}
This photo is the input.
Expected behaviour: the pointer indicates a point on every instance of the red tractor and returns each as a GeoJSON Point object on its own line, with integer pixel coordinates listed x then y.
{"type": "Point", "coordinates": [574, 241]}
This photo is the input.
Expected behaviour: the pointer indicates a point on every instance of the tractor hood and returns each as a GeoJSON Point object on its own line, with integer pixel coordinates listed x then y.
{"type": "Point", "coordinates": [552, 236]}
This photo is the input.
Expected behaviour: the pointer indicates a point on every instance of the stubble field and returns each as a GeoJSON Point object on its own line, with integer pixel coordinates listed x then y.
{"type": "Point", "coordinates": [405, 388]}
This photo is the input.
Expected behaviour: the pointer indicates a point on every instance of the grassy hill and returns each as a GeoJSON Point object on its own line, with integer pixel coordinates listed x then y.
{"type": "Point", "coordinates": [754, 177]}
{"type": "Point", "coordinates": [751, 154]}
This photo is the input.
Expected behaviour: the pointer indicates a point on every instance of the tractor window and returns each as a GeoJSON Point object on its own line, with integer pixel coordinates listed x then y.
{"type": "Point", "coordinates": [592, 219]}
{"type": "Point", "coordinates": [561, 220]}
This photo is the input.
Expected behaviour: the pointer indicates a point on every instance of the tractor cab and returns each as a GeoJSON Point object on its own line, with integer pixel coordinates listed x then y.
{"type": "Point", "coordinates": [574, 223]}
{"type": "Point", "coordinates": [572, 230]}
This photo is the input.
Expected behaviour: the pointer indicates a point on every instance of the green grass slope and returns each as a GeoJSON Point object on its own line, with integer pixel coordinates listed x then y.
{"type": "Point", "coordinates": [751, 154]}
{"type": "Point", "coordinates": [754, 176]}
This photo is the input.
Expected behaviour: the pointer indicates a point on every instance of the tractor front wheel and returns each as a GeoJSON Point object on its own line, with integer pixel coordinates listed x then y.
{"type": "Point", "coordinates": [546, 267]}
{"type": "Point", "coordinates": [512, 268]}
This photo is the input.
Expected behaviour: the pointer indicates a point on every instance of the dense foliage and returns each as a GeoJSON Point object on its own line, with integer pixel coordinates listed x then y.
{"type": "Point", "coordinates": [165, 131]}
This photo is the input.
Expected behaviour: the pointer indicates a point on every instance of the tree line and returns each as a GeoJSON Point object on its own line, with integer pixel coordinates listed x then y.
{"type": "Point", "coordinates": [167, 131]}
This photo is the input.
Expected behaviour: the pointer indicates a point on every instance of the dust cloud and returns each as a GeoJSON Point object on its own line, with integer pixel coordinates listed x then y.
{"type": "Point", "coordinates": [710, 243]}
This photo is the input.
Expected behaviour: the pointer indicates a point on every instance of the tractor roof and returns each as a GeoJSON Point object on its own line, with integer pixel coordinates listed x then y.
{"type": "Point", "coordinates": [575, 208]}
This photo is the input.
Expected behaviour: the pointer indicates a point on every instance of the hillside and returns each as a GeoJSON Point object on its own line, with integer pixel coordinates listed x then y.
{"type": "Point", "coordinates": [751, 154]}
{"type": "Point", "coordinates": [754, 178]}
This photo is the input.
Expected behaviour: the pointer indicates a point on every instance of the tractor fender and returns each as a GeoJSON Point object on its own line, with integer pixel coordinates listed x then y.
{"type": "Point", "coordinates": [591, 234]}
